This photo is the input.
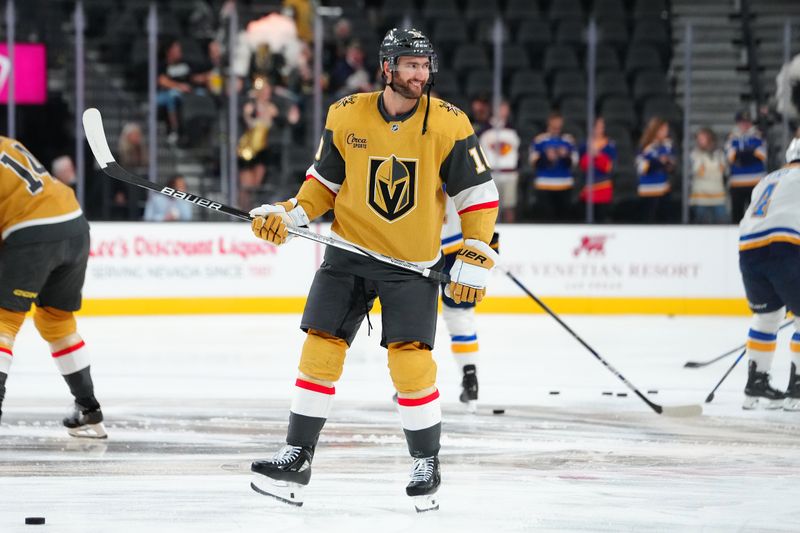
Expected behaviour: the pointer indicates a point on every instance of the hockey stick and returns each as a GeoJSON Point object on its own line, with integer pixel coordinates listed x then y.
{"type": "Point", "coordinates": [674, 410]}
{"type": "Point", "coordinates": [700, 364]}
{"type": "Point", "coordinates": [710, 396]}
{"type": "Point", "coordinates": [95, 135]}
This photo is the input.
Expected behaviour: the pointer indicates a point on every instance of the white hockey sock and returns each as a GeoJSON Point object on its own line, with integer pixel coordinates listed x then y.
{"type": "Point", "coordinates": [795, 347]}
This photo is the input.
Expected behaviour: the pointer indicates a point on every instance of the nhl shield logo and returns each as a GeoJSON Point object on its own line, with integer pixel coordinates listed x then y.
{"type": "Point", "coordinates": [392, 190]}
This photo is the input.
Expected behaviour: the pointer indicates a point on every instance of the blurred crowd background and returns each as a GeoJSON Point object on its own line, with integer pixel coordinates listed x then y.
{"type": "Point", "coordinates": [676, 108]}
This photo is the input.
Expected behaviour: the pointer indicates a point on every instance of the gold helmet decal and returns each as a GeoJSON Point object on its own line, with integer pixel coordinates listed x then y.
{"type": "Point", "coordinates": [392, 188]}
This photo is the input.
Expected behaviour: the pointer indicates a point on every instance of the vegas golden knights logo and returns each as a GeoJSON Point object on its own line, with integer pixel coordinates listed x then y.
{"type": "Point", "coordinates": [392, 191]}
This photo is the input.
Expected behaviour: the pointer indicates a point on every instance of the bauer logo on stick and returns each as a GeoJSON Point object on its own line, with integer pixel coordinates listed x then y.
{"type": "Point", "coordinates": [180, 195]}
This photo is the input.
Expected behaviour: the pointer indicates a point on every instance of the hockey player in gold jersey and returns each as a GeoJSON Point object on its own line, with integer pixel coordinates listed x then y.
{"type": "Point", "coordinates": [381, 165]}
{"type": "Point", "coordinates": [43, 256]}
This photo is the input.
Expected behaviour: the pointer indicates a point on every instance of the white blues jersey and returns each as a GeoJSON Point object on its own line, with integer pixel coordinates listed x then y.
{"type": "Point", "coordinates": [774, 212]}
{"type": "Point", "coordinates": [452, 238]}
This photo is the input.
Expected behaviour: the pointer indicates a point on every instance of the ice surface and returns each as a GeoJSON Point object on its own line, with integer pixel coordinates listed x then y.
{"type": "Point", "coordinates": [190, 401]}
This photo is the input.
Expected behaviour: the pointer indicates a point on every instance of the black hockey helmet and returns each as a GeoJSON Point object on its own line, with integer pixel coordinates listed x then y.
{"type": "Point", "coordinates": [406, 42]}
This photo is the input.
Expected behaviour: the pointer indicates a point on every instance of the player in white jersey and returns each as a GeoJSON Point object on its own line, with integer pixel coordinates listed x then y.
{"type": "Point", "coordinates": [769, 258]}
{"type": "Point", "coordinates": [460, 317]}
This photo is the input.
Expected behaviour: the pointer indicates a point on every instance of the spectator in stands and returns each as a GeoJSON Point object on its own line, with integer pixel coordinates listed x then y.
{"type": "Point", "coordinates": [708, 199]}
{"type": "Point", "coordinates": [131, 148]}
{"type": "Point", "coordinates": [260, 113]}
{"type": "Point", "coordinates": [605, 157]}
{"type": "Point", "coordinates": [480, 113]}
{"type": "Point", "coordinates": [163, 208]}
{"type": "Point", "coordinates": [500, 143]}
{"type": "Point", "coordinates": [747, 156]}
{"type": "Point", "coordinates": [349, 74]}
{"type": "Point", "coordinates": [552, 156]}
{"type": "Point", "coordinates": [787, 90]}
{"type": "Point", "coordinates": [654, 164]}
{"type": "Point", "coordinates": [335, 49]}
{"type": "Point", "coordinates": [63, 169]}
{"type": "Point", "coordinates": [174, 80]}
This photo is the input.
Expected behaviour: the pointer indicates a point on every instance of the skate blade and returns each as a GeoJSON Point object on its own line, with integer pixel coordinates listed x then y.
{"type": "Point", "coordinates": [283, 491]}
{"type": "Point", "coordinates": [791, 404]}
{"type": "Point", "coordinates": [426, 503]}
{"type": "Point", "coordinates": [89, 431]}
{"type": "Point", "coordinates": [757, 402]}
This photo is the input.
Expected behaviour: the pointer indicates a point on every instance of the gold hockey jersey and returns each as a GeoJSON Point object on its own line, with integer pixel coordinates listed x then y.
{"type": "Point", "coordinates": [34, 206]}
{"type": "Point", "coordinates": [386, 181]}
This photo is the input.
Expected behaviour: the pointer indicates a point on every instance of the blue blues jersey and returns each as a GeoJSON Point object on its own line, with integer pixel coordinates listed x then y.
{"type": "Point", "coordinates": [653, 165]}
{"type": "Point", "coordinates": [747, 155]}
{"type": "Point", "coordinates": [555, 174]}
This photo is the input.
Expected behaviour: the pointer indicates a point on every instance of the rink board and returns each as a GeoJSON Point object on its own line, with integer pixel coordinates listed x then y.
{"type": "Point", "coordinates": [197, 268]}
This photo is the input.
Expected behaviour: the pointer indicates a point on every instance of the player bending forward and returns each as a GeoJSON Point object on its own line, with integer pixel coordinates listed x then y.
{"type": "Point", "coordinates": [460, 317]}
{"type": "Point", "coordinates": [43, 255]}
{"type": "Point", "coordinates": [381, 165]}
{"type": "Point", "coordinates": [769, 258]}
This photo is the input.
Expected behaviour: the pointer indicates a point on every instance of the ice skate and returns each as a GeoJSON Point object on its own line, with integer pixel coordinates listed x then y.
{"type": "Point", "coordinates": [86, 422]}
{"type": "Point", "coordinates": [759, 393]}
{"type": "Point", "coordinates": [469, 388]}
{"type": "Point", "coordinates": [792, 401]}
{"type": "Point", "coordinates": [285, 475]}
{"type": "Point", "coordinates": [425, 481]}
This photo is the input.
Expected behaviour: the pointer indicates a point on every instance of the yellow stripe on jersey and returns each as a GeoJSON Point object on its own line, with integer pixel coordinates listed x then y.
{"type": "Point", "coordinates": [769, 240]}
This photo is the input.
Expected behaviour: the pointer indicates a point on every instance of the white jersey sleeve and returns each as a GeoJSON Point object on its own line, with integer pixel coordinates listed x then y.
{"type": "Point", "coordinates": [774, 212]}
{"type": "Point", "coordinates": [451, 230]}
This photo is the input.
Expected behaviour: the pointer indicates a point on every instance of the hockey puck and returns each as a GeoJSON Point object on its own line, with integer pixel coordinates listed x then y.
{"type": "Point", "coordinates": [554, 392]}
{"type": "Point", "coordinates": [608, 393]}
{"type": "Point", "coordinates": [34, 520]}
{"type": "Point", "coordinates": [652, 391]}
{"type": "Point", "coordinates": [498, 411]}
{"type": "Point", "coordinates": [622, 394]}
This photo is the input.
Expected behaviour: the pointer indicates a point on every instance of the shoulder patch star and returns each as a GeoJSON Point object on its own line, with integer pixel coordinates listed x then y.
{"type": "Point", "coordinates": [447, 106]}
{"type": "Point", "coordinates": [344, 102]}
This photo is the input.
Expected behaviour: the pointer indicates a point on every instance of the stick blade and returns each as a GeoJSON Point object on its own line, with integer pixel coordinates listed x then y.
{"type": "Point", "coordinates": [96, 136]}
{"type": "Point", "coordinates": [691, 364]}
{"type": "Point", "coordinates": [682, 411]}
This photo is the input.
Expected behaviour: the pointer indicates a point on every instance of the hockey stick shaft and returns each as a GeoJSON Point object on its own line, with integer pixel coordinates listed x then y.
{"type": "Point", "coordinates": [95, 135]}
{"type": "Point", "coordinates": [688, 410]}
{"type": "Point", "coordinates": [725, 376]}
{"type": "Point", "coordinates": [700, 364]}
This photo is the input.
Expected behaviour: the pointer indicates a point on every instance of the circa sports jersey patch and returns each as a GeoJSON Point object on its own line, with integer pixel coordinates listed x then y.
{"type": "Point", "coordinates": [392, 190]}
{"type": "Point", "coordinates": [355, 141]}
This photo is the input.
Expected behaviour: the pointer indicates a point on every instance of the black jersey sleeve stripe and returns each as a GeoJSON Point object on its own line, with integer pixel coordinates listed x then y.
{"type": "Point", "coordinates": [328, 161]}
{"type": "Point", "coordinates": [465, 166]}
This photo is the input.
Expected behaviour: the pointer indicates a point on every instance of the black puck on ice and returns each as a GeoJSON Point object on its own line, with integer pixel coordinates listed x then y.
{"type": "Point", "coordinates": [498, 411]}
{"type": "Point", "coordinates": [652, 391]}
{"type": "Point", "coordinates": [34, 520]}
{"type": "Point", "coordinates": [622, 394]}
{"type": "Point", "coordinates": [554, 392]}
{"type": "Point", "coordinates": [608, 393]}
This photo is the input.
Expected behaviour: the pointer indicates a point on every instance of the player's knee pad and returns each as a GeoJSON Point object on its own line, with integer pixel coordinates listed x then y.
{"type": "Point", "coordinates": [323, 356]}
{"type": "Point", "coordinates": [460, 321]}
{"type": "Point", "coordinates": [768, 322]}
{"type": "Point", "coordinates": [411, 366]}
{"type": "Point", "coordinates": [10, 322]}
{"type": "Point", "coordinates": [54, 324]}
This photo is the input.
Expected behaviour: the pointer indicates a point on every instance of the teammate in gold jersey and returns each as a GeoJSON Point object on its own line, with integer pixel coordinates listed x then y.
{"type": "Point", "coordinates": [43, 255]}
{"type": "Point", "coordinates": [381, 165]}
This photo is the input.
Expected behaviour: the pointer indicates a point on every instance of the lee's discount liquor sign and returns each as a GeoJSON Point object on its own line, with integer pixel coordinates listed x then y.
{"type": "Point", "coordinates": [194, 260]}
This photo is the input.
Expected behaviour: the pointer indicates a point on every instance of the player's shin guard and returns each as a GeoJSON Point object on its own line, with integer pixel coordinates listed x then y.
{"type": "Point", "coordinates": [464, 345]}
{"type": "Point", "coordinates": [761, 342]}
{"type": "Point", "coordinates": [286, 474]}
{"type": "Point", "coordinates": [421, 418]}
{"type": "Point", "coordinates": [71, 358]}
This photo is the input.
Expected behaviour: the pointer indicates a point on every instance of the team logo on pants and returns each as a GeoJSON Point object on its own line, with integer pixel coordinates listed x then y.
{"type": "Point", "coordinates": [392, 191]}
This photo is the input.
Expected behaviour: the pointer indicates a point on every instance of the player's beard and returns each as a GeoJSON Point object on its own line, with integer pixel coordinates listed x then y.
{"type": "Point", "coordinates": [405, 90]}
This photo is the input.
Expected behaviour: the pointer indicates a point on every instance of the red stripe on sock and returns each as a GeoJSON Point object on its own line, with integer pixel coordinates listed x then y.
{"type": "Point", "coordinates": [6, 350]}
{"type": "Point", "coordinates": [314, 387]}
{"type": "Point", "coordinates": [413, 402]}
{"type": "Point", "coordinates": [71, 349]}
